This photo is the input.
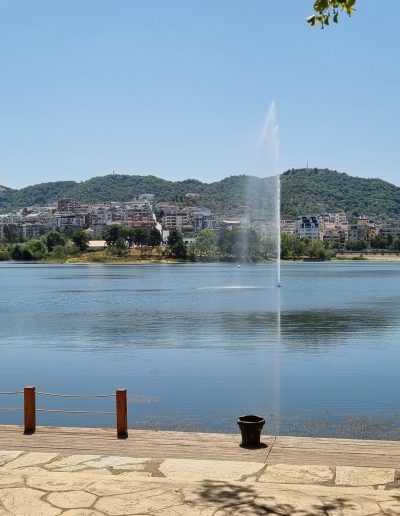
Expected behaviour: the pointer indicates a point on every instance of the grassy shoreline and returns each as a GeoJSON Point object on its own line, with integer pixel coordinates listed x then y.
{"type": "Point", "coordinates": [134, 257]}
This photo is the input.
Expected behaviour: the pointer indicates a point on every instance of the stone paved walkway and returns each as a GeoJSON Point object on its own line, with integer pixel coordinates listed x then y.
{"type": "Point", "coordinates": [49, 484]}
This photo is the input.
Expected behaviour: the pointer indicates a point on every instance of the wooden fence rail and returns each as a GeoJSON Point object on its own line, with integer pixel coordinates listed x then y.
{"type": "Point", "coordinates": [30, 410]}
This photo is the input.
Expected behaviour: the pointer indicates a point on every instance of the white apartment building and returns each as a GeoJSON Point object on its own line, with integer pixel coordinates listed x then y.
{"type": "Point", "coordinates": [308, 227]}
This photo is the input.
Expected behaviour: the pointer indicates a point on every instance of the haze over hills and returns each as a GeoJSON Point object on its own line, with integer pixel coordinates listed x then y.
{"type": "Point", "coordinates": [304, 191]}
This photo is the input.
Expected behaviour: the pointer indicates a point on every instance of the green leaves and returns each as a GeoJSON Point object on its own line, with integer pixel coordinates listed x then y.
{"type": "Point", "coordinates": [325, 9]}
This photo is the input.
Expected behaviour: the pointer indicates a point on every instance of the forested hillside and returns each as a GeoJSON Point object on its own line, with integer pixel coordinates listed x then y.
{"type": "Point", "coordinates": [304, 191]}
{"type": "Point", "coordinates": [316, 191]}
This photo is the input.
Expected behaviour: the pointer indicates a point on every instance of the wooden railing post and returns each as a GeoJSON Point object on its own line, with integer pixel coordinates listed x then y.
{"type": "Point", "coordinates": [29, 410]}
{"type": "Point", "coordinates": [122, 413]}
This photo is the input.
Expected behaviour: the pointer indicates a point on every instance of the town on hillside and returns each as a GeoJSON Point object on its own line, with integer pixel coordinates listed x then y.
{"type": "Point", "coordinates": [332, 230]}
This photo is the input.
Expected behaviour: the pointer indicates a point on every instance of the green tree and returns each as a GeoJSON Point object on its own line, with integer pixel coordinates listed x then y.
{"type": "Point", "coordinates": [225, 243]}
{"type": "Point", "coordinates": [81, 239]}
{"type": "Point", "coordinates": [35, 249]}
{"type": "Point", "coordinates": [326, 10]}
{"type": "Point", "coordinates": [355, 245]}
{"type": "Point", "coordinates": [292, 247]}
{"type": "Point", "coordinates": [141, 236]}
{"type": "Point", "coordinates": [16, 252]}
{"type": "Point", "coordinates": [4, 253]}
{"type": "Point", "coordinates": [395, 245]}
{"type": "Point", "coordinates": [154, 238]}
{"type": "Point", "coordinates": [316, 249]}
{"type": "Point", "coordinates": [191, 252]}
{"type": "Point", "coordinates": [112, 233]}
{"type": "Point", "coordinates": [119, 248]}
{"type": "Point", "coordinates": [240, 244]}
{"type": "Point", "coordinates": [53, 239]}
{"type": "Point", "coordinates": [253, 240]}
{"type": "Point", "coordinates": [61, 252]}
{"type": "Point", "coordinates": [378, 242]}
{"type": "Point", "coordinates": [205, 243]}
{"type": "Point", "coordinates": [11, 234]}
{"type": "Point", "coordinates": [129, 234]}
{"type": "Point", "coordinates": [176, 244]}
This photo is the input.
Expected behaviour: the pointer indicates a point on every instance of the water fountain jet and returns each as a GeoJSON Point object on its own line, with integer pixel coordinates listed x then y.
{"type": "Point", "coordinates": [263, 191]}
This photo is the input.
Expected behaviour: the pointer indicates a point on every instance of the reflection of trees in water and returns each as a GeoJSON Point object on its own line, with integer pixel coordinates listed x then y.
{"type": "Point", "coordinates": [303, 328]}
{"type": "Point", "coordinates": [307, 330]}
{"type": "Point", "coordinates": [323, 323]}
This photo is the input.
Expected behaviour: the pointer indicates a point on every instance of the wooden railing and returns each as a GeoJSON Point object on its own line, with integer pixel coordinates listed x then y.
{"type": "Point", "coordinates": [30, 410]}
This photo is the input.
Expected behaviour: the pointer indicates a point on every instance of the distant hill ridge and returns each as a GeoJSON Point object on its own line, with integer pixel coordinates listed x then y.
{"type": "Point", "coordinates": [304, 191]}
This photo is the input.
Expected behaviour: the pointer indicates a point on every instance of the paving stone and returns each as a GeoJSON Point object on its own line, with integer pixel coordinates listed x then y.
{"type": "Point", "coordinates": [71, 460]}
{"type": "Point", "coordinates": [71, 499]}
{"type": "Point", "coordinates": [23, 501]}
{"type": "Point", "coordinates": [37, 470]}
{"type": "Point", "coordinates": [10, 480]}
{"type": "Point", "coordinates": [123, 488]}
{"type": "Point", "coordinates": [107, 462]}
{"type": "Point", "coordinates": [130, 467]}
{"type": "Point", "coordinates": [100, 471]}
{"type": "Point", "coordinates": [287, 502]}
{"type": "Point", "coordinates": [59, 481]}
{"type": "Point", "coordinates": [141, 502]}
{"type": "Point", "coordinates": [185, 510]}
{"type": "Point", "coordinates": [69, 469]}
{"type": "Point", "coordinates": [134, 475]}
{"type": "Point", "coordinates": [214, 493]}
{"type": "Point", "coordinates": [246, 510]}
{"type": "Point", "coordinates": [83, 468]}
{"type": "Point", "coordinates": [353, 506]}
{"type": "Point", "coordinates": [391, 507]}
{"type": "Point", "coordinates": [7, 456]}
{"type": "Point", "coordinates": [291, 474]}
{"type": "Point", "coordinates": [116, 485]}
{"type": "Point", "coordinates": [31, 459]}
{"type": "Point", "coordinates": [189, 470]}
{"type": "Point", "coordinates": [357, 476]}
{"type": "Point", "coordinates": [251, 478]}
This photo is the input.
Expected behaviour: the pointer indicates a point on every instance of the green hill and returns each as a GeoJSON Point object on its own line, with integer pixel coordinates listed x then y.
{"type": "Point", "coordinates": [317, 191]}
{"type": "Point", "coordinates": [304, 191]}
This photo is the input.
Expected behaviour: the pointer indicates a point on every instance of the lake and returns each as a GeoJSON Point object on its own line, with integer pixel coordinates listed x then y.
{"type": "Point", "coordinates": [197, 345]}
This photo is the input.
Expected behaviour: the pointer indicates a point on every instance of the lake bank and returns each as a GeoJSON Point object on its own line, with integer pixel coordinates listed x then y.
{"type": "Point", "coordinates": [370, 256]}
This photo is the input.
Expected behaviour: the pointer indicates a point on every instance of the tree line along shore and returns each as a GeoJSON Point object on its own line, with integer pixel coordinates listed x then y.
{"type": "Point", "coordinates": [123, 245]}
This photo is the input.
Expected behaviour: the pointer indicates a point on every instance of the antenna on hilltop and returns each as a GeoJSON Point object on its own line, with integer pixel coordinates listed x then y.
{"type": "Point", "coordinates": [307, 164]}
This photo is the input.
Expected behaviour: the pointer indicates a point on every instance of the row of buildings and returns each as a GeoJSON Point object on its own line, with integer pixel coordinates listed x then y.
{"type": "Point", "coordinates": [334, 227]}
{"type": "Point", "coordinates": [67, 214]}
{"type": "Point", "coordinates": [144, 211]}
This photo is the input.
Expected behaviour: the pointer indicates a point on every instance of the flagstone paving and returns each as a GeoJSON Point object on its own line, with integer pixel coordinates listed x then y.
{"type": "Point", "coordinates": [89, 472]}
{"type": "Point", "coordinates": [46, 484]}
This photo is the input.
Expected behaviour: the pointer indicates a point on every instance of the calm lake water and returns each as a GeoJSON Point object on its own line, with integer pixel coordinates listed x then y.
{"type": "Point", "coordinates": [197, 345]}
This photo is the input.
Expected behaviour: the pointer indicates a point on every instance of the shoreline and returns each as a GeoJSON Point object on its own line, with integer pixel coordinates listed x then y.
{"type": "Point", "coordinates": [85, 260]}
{"type": "Point", "coordinates": [371, 257]}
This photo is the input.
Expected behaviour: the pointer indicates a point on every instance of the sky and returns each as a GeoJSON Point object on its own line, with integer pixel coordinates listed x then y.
{"type": "Point", "coordinates": [181, 88]}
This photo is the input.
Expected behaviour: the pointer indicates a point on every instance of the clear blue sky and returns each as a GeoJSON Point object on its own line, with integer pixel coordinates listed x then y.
{"type": "Point", "coordinates": [180, 88]}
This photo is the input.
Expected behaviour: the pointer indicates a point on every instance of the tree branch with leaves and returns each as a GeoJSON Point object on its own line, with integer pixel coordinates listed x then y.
{"type": "Point", "coordinates": [327, 10]}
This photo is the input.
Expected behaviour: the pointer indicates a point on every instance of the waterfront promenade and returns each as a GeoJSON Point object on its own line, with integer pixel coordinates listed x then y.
{"type": "Point", "coordinates": [89, 472]}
